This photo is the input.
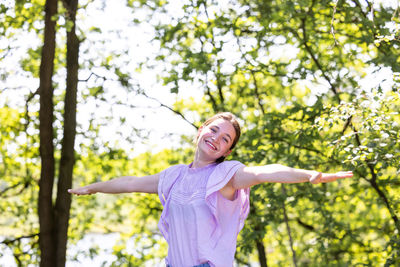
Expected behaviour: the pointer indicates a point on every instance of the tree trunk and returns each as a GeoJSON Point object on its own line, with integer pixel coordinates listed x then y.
{"type": "Point", "coordinates": [288, 227]}
{"type": "Point", "coordinates": [45, 204]}
{"type": "Point", "coordinates": [63, 201]}
{"type": "Point", "coordinates": [258, 227]}
{"type": "Point", "coordinates": [262, 257]}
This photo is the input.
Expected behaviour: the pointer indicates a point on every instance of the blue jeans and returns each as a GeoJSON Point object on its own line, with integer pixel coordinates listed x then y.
{"type": "Point", "coordinates": [200, 265]}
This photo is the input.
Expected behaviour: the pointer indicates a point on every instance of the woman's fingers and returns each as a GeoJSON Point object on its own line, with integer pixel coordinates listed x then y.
{"type": "Point", "coordinates": [316, 178]}
{"type": "Point", "coordinates": [330, 177]}
{"type": "Point", "coordinates": [73, 191]}
{"type": "Point", "coordinates": [79, 191]}
{"type": "Point", "coordinates": [347, 174]}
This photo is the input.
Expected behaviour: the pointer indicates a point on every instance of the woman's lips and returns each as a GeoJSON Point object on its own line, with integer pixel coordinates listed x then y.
{"type": "Point", "coordinates": [211, 145]}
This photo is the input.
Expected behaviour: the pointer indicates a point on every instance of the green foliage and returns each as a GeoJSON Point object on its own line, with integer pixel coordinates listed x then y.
{"type": "Point", "coordinates": [302, 107]}
{"type": "Point", "coordinates": [18, 187]}
{"type": "Point", "coordinates": [234, 51]}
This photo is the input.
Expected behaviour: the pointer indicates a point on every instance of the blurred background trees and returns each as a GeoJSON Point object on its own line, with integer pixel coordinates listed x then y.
{"type": "Point", "coordinates": [314, 83]}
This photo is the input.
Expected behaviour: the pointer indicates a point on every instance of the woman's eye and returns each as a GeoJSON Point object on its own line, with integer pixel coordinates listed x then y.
{"type": "Point", "coordinates": [226, 140]}
{"type": "Point", "coordinates": [213, 130]}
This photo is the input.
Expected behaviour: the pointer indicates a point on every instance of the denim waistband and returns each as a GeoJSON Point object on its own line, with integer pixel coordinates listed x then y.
{"type": "Point", "coordinates": [200, 265]}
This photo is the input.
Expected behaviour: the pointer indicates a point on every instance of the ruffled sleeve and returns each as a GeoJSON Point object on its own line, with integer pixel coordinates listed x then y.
{"type": "Point", "coordinates": [217, 180]}
{"type": "Point", "coordinates": [166, 181]}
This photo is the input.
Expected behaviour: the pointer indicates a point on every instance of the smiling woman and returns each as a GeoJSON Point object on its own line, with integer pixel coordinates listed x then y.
{"type": "Point", "coordinates": [207, 201]}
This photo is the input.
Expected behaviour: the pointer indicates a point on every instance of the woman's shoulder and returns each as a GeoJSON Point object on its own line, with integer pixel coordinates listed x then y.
{"type": "Point", "coordinates": [222, 173]}
{"type": "Point", "coordinates": [176, 167]}
{"type": "Point", "coordinates": [173, 170]}
{"type": "Point", "coordinates": [228, 164]}
{"type": "Point", "coordinates": [169, 176]}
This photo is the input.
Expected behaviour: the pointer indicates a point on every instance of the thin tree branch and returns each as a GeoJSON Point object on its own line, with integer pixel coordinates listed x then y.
{"type": "Point", "coordinates": [171, 109]}
{"type": "Point", "coordinates": [241, 261]}
{"type": "Point", "coordinates": [348, 123]}
{"type": "Point", "coordinates": [208, 92]}
{"type": "Point", "coordinates": [7, 51]}
{"type": "Point", "coordinates": [10, 241]}
{"type": "Point", "coordinates": [333, 32]}
{"type": "Point", "coordinates": [257, 93]}
{"type": "Point", "coordinates": [25, 185]}
{"type": "Point", "coordinates": [313, 57]}
{"type": "Point", "coordinates": [218, 71]}
{"type": "Point", "coordinates": [307, 226]}
{"type": "Point", "coordinates": [219, 86]}
{"type": "Point", "coordinates": [97, 76]}
{"type": "Point", "coordinates": [8, 188]}
{"type": "Point", "coordinates": [27, 117]}
{"type": "Point", "coordinates": [374, 184]}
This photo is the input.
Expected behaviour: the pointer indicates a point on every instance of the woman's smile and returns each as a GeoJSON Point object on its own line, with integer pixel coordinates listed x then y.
{"type": "Point", "coordinates": [211, 145]}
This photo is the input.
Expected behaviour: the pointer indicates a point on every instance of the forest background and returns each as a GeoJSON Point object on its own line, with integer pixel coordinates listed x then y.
{"type": "Point", "coordinates": [87, 96]}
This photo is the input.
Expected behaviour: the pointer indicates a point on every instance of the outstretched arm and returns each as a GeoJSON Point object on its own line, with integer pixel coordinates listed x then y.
{"type": "Point", "coordinates": [276, 173]}
{"type": "Point", "coordinates": [124, 184]}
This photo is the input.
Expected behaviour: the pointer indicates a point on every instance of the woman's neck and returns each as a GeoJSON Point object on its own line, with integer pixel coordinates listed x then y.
{"type": "Point", "coordinates": [200, 162]}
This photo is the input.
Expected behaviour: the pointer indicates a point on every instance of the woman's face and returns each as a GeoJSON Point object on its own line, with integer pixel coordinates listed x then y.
{"type": "Point", "coordinates": [215, 140]}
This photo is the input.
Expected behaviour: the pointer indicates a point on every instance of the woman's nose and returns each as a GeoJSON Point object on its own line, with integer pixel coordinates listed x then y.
{"type": "Point", "coordinates": [216, 137]}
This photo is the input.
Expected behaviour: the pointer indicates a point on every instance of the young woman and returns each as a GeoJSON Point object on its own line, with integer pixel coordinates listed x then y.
{"type": "Point", "coordinates": [206, 202]}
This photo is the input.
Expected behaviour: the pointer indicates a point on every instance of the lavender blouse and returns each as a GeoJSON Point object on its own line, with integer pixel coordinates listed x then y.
{"type": "Point", "coordinates": [199, 224]}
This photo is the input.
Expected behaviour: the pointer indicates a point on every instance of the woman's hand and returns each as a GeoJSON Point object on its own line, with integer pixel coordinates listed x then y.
{"type": "Point", "coordinates": [81, 191]}
{"type": "Point", "coordinates": [320, 177]}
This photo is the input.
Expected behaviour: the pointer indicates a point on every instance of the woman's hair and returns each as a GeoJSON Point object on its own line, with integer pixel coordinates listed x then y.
{"type": "Point", "coordinates": [233, 120]}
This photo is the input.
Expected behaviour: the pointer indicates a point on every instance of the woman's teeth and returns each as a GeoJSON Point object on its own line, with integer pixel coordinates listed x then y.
{"type": "Point", "coordinates": [211, 145]}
